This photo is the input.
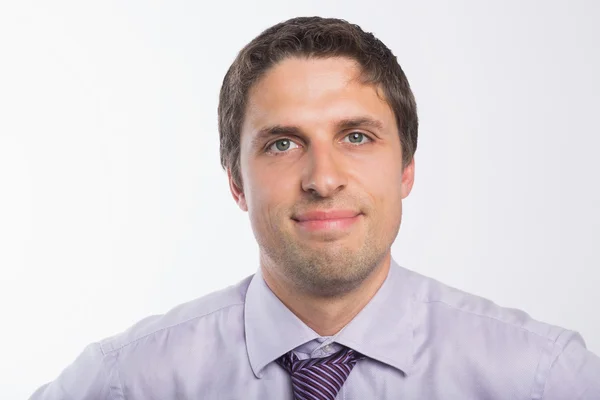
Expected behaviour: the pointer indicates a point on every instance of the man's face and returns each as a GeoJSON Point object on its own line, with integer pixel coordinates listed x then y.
{"type": "Point", "coordinates": [321, 166]}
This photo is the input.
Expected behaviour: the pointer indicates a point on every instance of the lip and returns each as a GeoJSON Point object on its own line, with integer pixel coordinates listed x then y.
{"type": "Point", "coordinates": [322, 215]}
{"type": "Point", "coordinates": [327, 220]}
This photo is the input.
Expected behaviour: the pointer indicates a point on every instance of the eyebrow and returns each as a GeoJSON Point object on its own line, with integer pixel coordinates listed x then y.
{"type": "Point", "coordinates": [343, 124]}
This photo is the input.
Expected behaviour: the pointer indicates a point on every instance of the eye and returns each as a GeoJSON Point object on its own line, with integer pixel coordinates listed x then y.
{"type": "Point", "coordinates": [281, 145]}
{"type": "Point", "coordinates": [357, 137]}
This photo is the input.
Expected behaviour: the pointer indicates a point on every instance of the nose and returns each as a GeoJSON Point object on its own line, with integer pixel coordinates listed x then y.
{"type": "Point", "coordinates": [323, 175]}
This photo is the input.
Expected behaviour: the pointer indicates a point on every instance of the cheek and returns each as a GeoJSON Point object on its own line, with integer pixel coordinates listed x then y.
{"type": "Point", "coordinates": [268, 193]}
{"type": "Point", "coordinates": [382, 179]}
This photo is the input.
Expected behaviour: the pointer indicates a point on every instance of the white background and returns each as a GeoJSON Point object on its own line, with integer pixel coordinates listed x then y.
{"type": "Point", "coordinates": [113, 205]}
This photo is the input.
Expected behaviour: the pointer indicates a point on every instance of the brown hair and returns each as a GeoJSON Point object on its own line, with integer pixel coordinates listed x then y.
{"type": "Point", "coordinates": [313, 37]}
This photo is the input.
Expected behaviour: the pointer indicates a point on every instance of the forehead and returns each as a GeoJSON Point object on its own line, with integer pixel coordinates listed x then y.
{"type": "Point", "coordinates": [305, 91]}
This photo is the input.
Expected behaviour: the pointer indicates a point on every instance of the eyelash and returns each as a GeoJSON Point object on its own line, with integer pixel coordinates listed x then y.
{"type": "Point", "coordinates": [284, 138]}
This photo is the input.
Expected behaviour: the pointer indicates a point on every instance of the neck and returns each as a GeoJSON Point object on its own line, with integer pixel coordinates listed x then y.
{"type": "Point", "coordinates": [327, 316]}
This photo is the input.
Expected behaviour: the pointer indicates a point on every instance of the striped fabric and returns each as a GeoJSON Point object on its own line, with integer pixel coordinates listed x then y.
{"type": "Point", "coordinates": [319, 378]}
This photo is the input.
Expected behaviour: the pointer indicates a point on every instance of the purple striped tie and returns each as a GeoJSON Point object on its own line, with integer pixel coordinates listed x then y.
{"type": "Point", "coordinates": [319, 378]}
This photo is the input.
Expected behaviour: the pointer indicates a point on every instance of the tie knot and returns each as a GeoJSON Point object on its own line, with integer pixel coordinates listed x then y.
{"type": "Point", "coordinates": [319, 378]}
{"type": "Point", "coordinates": [345, 356]}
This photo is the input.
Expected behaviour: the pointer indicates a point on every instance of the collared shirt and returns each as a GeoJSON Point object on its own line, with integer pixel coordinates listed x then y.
{"type": "Point", "coordinates": [421, 338]}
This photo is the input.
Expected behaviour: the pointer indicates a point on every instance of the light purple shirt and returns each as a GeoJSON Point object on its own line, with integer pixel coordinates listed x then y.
{"type": "Point", "coordinates": [422, 339]}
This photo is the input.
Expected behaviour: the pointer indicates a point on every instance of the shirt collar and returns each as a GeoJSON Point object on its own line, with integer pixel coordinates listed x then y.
{"type": "Point", "coordinates": [382, 330]}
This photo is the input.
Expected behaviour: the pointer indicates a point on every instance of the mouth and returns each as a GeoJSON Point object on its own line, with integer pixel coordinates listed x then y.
{"type": "Point", "coordinates": [333, 220]}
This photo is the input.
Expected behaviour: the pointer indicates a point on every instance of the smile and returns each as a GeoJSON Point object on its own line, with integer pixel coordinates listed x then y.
{"type": "Point", "coordinates": [336, 220]}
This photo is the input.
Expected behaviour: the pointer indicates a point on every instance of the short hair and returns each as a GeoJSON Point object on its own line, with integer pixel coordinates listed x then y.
{"type": "Point", "coordinates": [313, 37]}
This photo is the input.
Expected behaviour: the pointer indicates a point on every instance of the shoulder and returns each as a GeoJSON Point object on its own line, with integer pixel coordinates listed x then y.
{"type": "Point", "coordinates": [505, 347]}
{"type": "Point", "coordinates": [93, 374]}
{"type": "Point", "coordinates": [440, 300]}
{"type": "Point", "coordinates": [192, 312]}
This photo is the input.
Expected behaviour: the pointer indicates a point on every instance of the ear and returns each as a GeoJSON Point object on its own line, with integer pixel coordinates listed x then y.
{"type": "Point", "coordinates": [408, 178]}
{"type": "Point", "coordinates": [237, 192]}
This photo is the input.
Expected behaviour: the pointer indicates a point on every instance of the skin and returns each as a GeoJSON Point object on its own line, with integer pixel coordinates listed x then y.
{"type": "Point", "coordinates": [311, 162]}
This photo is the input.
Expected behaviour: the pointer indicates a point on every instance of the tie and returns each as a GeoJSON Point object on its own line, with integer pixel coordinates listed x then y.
{"type": "Point", "coordinates": [319, 378]}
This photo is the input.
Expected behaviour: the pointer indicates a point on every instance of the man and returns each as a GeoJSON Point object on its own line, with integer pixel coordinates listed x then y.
{"type": "Point", "coordinates": [318, 130]}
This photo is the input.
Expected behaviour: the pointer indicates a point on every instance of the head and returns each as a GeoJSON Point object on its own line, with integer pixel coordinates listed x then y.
{"type": "Point", "coordinates": [317, 120]}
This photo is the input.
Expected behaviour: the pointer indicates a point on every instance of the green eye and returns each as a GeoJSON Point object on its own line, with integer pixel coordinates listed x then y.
{"type": "Point", "coordinates": [282, 145]}
{"type": "Point", "coordinates": [356, 137]}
